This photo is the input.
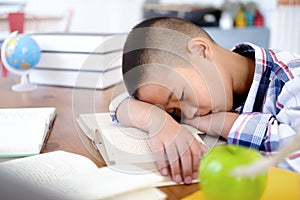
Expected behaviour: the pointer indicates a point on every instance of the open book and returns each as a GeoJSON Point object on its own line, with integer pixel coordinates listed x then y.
{"type": "Point", "coordinates": [23, 131]}
{"type": "Point", "coordinates": [118, 144]}
{"type": "Point", "coordinates": [64, 175]}
{"type": "Point", "coordinates": [122, 145]}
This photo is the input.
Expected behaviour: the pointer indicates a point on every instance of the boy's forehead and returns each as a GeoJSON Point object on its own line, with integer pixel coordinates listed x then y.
{"type": "Point", "coordinates": [163, 76]}
{"type": "Point", "coordinates": [164, 83]}
{"type": "Point", "coordinates": [154, 93]}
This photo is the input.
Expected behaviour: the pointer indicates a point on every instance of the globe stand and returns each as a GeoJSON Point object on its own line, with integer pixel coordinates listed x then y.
{"type": "Point", "coordinates": [24, 85]}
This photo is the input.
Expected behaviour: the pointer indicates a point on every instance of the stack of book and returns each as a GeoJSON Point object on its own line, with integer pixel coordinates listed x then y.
{"type": "Point", "coordinates": [79, 60]}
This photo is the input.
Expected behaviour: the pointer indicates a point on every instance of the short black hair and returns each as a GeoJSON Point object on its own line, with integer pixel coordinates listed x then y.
{"type": "Point", "coordinates": [159, 40]}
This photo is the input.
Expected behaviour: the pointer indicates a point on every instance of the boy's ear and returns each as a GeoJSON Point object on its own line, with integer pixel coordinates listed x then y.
{"type": "Point", "coordinates": [200, 46]}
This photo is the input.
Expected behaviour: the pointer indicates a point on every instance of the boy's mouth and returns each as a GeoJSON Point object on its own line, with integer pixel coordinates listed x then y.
{"type": "Point", "coordinates": [214, 111]}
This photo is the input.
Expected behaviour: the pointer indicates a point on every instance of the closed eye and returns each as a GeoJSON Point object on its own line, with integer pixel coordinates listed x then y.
{"type": "Point", "coordinates": [182, 96]}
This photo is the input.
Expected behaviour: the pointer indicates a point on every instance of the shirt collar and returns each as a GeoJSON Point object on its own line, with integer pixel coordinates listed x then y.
{"type": "Point", "coordinates": [250, 50]}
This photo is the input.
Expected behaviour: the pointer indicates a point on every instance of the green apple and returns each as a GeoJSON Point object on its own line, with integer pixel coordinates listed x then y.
{"type": "Point", "coordinates": [215, 179]}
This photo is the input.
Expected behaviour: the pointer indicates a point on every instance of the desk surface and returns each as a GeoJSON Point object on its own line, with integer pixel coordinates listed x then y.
{"type": "Point", "coordinates": [69, 102]}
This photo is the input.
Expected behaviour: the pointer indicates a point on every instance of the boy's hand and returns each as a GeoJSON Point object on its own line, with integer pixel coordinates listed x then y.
{"type": "Point", "coordinates": [216, 124]}
{"type": "Point", "coordinates": [176, 149]}
{"type": "Point", "coordinates": [168, 139]}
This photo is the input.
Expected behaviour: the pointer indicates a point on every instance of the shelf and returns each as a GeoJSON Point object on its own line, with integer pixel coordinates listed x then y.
{"type": "Point", "coordinates": [228, 38]}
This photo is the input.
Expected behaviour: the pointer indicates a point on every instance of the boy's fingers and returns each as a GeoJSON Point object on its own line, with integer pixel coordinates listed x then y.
{"type": "Point", "coordinates": [174, 163]}
{"type": "Point", "coordinates": [196, 156]}
{"type": "Point", "coordinates": [204, 149]}
{"type": "Point", "coordinates": [186, 164]}
{"type": "Point", "coordinates": [159, 152]}
{"type": "Point", "coordinates": [161, 162]}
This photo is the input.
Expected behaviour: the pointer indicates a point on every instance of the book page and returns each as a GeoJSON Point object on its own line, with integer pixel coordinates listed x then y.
{"type": "Point", "coordinates": [119, 144]}
{"type": "Point", "coordinates": [71, 176]}
{"type": "Point", "coordinates": [117, 138]}
{"type": "Point", "coordinates": [27, 113]}
{"type": "Point", "coordinates": [123, 148]}
{"type": "Point", "coordinates": [104, 183]}
{"type": "Point", "coordinates": [47, 167]}
{"type": "Point", "coordinates": [23, 130]}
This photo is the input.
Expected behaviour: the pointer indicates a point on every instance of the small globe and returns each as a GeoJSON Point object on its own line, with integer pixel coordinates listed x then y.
{"type": "Point", "coordinates": [19, 54]}
{"type": "Point", "coordinates": [22, 53]}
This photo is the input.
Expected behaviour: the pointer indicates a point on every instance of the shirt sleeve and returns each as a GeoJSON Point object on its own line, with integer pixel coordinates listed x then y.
{"type": "Point", "coordinates": [267, 131]}
{"type": "Point", "coordinates": [114, 104]}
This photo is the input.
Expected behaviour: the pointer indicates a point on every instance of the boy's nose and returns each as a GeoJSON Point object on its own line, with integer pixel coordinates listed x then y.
{"type": "Point", "coordinates": [189, 111]}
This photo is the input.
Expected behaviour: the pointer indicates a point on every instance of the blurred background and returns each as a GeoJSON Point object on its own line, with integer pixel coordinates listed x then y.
{"type": "Point", "coordinates": [269, 23]}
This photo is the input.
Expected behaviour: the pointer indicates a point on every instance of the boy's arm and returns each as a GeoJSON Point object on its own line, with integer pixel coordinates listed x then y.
{"type": "Point", "coordinates": [262, 131]}
{"type": "Point", "coordinates": [216, 124]}
{"type": "Point", "coordinates": [167, 138]}
{"type": "Point", "coordinates": [114, 104]}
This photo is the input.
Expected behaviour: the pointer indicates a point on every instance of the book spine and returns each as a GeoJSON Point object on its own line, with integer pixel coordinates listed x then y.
{"type": "Point", "coordinates": [77, 79]}
{"type": "Point", "coordinates": [80, 42]}
{"type": "Point", "coordinates": [79, 61]}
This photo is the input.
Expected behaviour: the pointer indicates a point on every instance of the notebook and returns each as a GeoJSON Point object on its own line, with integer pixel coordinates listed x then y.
{"type": "Point", "coordinates": [24, 131]}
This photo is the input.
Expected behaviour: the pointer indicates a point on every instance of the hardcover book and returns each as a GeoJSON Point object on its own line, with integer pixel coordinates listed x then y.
{"type": "Point", "coordinates": [24, 131]}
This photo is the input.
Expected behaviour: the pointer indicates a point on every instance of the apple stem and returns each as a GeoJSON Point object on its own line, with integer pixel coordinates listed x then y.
{"type": "Point", "coordinates": [262, 165]}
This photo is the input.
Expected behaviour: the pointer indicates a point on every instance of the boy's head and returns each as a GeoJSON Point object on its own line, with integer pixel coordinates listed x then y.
{"type": "Point", "coordinates": [157, 41]}
{"type": "Point", "coordinates": [161, 59]}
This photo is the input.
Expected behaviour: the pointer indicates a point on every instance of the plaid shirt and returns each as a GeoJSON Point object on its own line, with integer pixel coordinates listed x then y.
{"type": "Point", "coordinates": [271, 112]}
